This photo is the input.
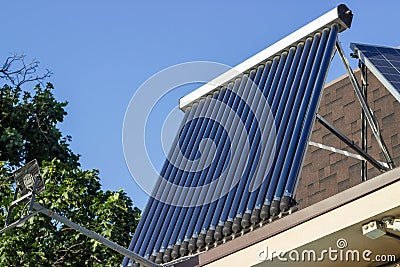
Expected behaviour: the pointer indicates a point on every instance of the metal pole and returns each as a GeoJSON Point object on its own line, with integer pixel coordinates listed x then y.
{"type": "Point", "coordinates": [364, 129]}
{"type": "Point", "coordinates": [369, 116]}
{"type": "Point", "coordinates": [126, 252]}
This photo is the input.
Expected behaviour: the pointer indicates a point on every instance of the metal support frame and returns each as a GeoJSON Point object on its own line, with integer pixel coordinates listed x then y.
{"type": "Point", "coordinates": [364, 129]}
{"type": "Point", "coordinates": [28, 199]}
{"type": "Point", "coordinates": [351, 144]}
{"type": "Point", "coordinates": [370, 118]}
{"type": "Point", "coordinates": [18, 223]}
{"type": "Point", "coordinates": [9, 212]}
{"type": "Point", "coordinates": [341, 151]}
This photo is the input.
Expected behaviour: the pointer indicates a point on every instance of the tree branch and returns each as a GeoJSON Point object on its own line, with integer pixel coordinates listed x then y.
{"type": "Point", "coordinates": [65, 251]}
{"type": "Point", "coordinates": [16, 71]}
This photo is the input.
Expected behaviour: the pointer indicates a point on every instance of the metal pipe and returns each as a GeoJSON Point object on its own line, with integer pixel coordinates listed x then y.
{"type": "Point", "coordinates": [196, 179]}
{"type": "Point", "coordinates": [294, 94]}
{"type": "Point", "coordinates": [289, 144]}
{"type": "Point", "coordinates": [369, 115]}
{"type": "Point", "coordinates": [187, 179]}
{"type": "Point", "coordinates": [158, 227]}
{"type": "Point", "coordinates": [247, 204]}
{"type": "Point", "coordinates": [18, 223]}
{"type": "Point", "coordinates": [341, 151]}
{"type": "Point", "coordinates": [279, 101]}
{"type": "Point", "coordinates": [237, 161]}
{"type": "Point", "coordinates": [152, 202]}
{"type": "Point", "coordinates": [165, 174]}
{"type": "Point", "coordinates": [225, 177]}
{"type": "Point", "coordinates": [203, 177]}
{"type": "Point", "coordinates": [200, 212]}
{"type": "Point", "coordinates": [364, 129]}
{"type": "Point", "coordinates": [309, 120]}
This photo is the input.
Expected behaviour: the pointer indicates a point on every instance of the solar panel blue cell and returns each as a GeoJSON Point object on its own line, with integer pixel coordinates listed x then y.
{"type": "Point", "coordinates": [384, 63]}
{"type": "Point", "coordinates": [389, 71]}
{"type": "Point", "coordinates": [396, 64]}
{"type": "Point", "coordinates": [391, 56]}
{"type": "Point", "coordinates": [392, 77]}
{"type": "Point", "coordinates": [397, 85]}
{"type": "Point", "coordinates": [385, 50]}
{"type": "Point", "coordinates": [381, 62]}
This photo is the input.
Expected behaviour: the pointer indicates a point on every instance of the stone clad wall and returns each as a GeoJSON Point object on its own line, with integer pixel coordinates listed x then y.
{"type": "Point", "coordinates": [326, 173]}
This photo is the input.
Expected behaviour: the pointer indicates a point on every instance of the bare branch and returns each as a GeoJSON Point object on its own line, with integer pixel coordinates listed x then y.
{"type": "Point", "coordinates": [67, 251]}
{"type": "Point", "coordinates": [16, 71]}
{"type": "Point", "coordinates": [97, 259]}
{"type": "Point", "coordinates": [67, 229]}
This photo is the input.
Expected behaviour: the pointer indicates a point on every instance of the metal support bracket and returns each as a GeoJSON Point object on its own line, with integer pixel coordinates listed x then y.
{"type": "Point", "coordinates": [368, 113]}
{"type": "Point", "coordinates": [364, 129]}
{"type": "Point", "coordinates": [18, 223]}
{"type": "Point", "coordinates": [28, 198]}
{"type": "Point", "coordinates": [13, 203]}
{"type": "Point", "coordinates": [351, 144]}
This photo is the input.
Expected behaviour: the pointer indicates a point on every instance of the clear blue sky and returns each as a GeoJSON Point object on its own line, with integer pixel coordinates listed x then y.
{"type": "Point", "coordinates": [102, 51]}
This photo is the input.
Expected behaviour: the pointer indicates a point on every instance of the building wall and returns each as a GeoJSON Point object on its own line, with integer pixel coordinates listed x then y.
{"type": "Point", "coordinates": [326, 173]}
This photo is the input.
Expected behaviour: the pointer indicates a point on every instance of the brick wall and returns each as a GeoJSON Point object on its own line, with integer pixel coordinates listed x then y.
{"type": "Point", "coordinates": [326, 173]}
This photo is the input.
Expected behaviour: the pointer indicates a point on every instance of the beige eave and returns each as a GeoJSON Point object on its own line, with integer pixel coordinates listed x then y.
{"type": "Point", "coordinates": [318, 227]}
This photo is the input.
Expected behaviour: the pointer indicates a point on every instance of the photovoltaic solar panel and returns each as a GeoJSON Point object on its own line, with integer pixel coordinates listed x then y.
{"type": "Point", "coordinates": [383, 62]}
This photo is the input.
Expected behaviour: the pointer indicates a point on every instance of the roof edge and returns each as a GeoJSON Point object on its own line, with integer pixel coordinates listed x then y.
{"type": "Point", "coordinates": [302, 216]}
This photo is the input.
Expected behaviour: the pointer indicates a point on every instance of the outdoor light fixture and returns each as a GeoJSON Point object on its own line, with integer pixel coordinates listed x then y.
{"type": "Point", "coordinates": [376, 229]}
{"type": "Point", "coordinates": [29, 183]}
{"type": "Point", "coordinates": [28, 179]}
{"type": "Point", "coordinates": [392, 223]}
{"type": "Point", "coordinates": [373, 230]}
